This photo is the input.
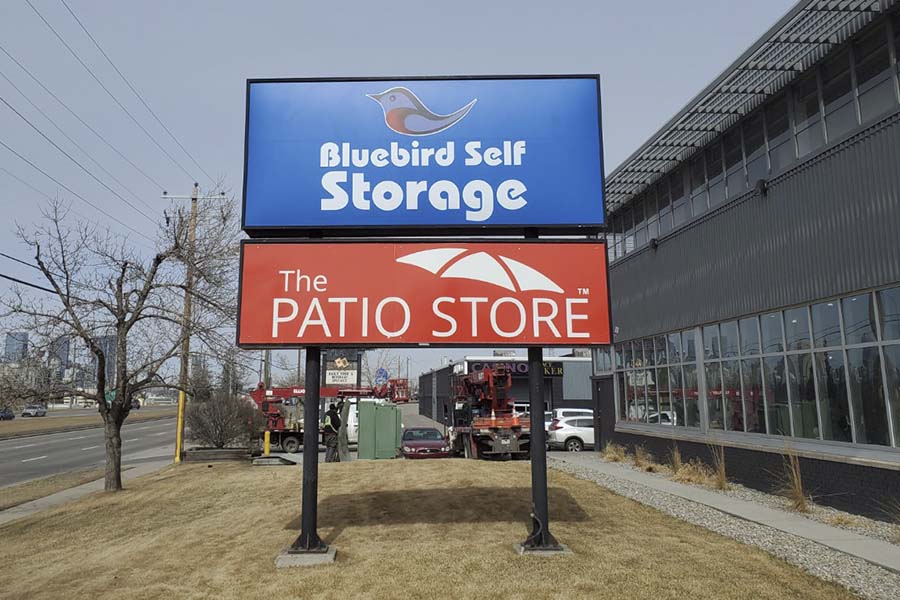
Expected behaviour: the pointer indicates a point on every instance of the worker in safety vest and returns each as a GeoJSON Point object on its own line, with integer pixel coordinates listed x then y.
{"type": "Point", "coordinates": [332, 426]}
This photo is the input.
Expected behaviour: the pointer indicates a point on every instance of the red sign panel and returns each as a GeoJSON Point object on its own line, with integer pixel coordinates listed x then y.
{"type": "Point", "coordinates": [412, 293]}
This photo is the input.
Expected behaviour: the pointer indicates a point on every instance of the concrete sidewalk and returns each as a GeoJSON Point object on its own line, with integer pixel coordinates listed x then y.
{"type": "Point", "coordinates": [142, 463]}
{"type": "Point", "coordinates": [876, 552]}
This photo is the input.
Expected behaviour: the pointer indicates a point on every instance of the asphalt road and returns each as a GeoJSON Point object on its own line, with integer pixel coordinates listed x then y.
{"type": "Point", "coordinates": [29, 458]}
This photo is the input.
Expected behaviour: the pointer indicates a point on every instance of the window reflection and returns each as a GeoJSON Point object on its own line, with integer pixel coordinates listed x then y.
{"type": "Point", "coordinates": [889, 307]}
{"type": "Point", "coordinates": [796, 329]}
{"type": "Point", "coordinates": [689, 352]}
{"type": "Point", "coordinates": [859, 319]}
{"type": "Point", "coordinates": [691, 395]}
{"type": "Point", "coordinates": [714, 395]}
{"type": "Point", "coordinates": [749, 336]}
{"type": "Point", "coordinates": [892, 368]}
{"type": "Point", "coordinates": [776, 395]}
{"type": "Point", "coordinates": [866, 395]}
{"type": "Point", "coordinates": [826, 324]}
{"type": "Point", "coordinates": [751, 377]}
{"type": "Point", "coordinates": [771, 332]}
{"type": "Point", "coordinates": [675, 385]}
{"type": "Point", "coordinates": [733, 398]}
{"type": "Point", "coordinates": [833, 403]}
{"type": "Point", "coordinates": [665, 413]}
{"type": "Point", "coordinates": [803, 395]}
{"type": "Point", "coordinates": [711, 341]}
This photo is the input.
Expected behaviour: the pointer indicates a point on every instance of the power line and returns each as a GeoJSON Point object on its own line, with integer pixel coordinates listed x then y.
{"type": "Point", "coordinates": [32, 285]}
{"type": "Point", "coordinates": [69, 156]}
{"type": "Point", "coordinates": [131, 87]}
{"type": "Point", "coordinates": [37, 268]}
{"type": "Point", "coordinates": [37, 191]}
{"type": "Point", "coordinates": [71, 191]}
{"type": "Point", "coordinates": [76, 144]}
{"type": "Point", "coordinates": [109, 93]}
{"type": "Point", "coordinates": [80, 120]}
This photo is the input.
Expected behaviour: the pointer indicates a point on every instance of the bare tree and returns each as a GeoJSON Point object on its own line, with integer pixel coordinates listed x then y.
{"type": "Point", "coordinates": [127, 307]}
{"type": "Point", "coordinates": [373, 360]}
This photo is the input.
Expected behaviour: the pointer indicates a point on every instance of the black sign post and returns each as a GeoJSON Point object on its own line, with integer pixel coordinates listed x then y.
{"type": "Point", "coordinates": [309, 540]}
{"type": "Point", "coordinates": [540, 538]}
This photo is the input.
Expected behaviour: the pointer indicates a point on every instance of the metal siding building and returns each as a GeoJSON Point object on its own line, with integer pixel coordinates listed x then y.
{"type": "Point", "coordinates": [754, 247]}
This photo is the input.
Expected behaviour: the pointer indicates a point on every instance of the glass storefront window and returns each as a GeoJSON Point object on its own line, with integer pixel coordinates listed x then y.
{"type": "Point", "coordinates": [772, 340]}
{"type": "Point", "coordinates": [649, 353]}
{"type": "Point", "coordinates": [892, 368]}
{"type": "Point", "coordinates": [711, 341]}
{"type": "Point", "coordinates": [749, 336]}
{"type": "Point", "coordinates": [674, 347]}
{"type": "Point", "coordinates": [833, 404]}
{"type": "Point", "coordinates": [660, 345]}
{"type": "Point", "coordinates": [775, 382]}
{"type": "Point", "coordinates": [803, 395]}
{"type": "Point", "coordinates": [714, 395]}
{"type": "Point", "coordinates": [691, 397]}
{"type": "Point", "coordinates": [733, 398]}
{"type": "Point", "coordinates": [652, 395]}
{"type": "Point", "coordinates": [665, 415]}
{"type": "Point", "coordinates": [889, 307]}
{"type": "Point", "coordinates": [859, 319]}
{"type": "Point", "coordinates": [796, 329]}
{"type": "Point", "coordinates": [826, 324]}
{"type": "Point", "coordinates": [675, 386]}
{"type": "Point", "coordinates": [629, 355]}
{"type": "Point", "coordinates": [751, 377]}
{"type": "Point", "coordinates": [867, 396]}
{"type": "Point", "coordinates": [689, 352]}
{"type": "Point", "coordinates": [728, 337]}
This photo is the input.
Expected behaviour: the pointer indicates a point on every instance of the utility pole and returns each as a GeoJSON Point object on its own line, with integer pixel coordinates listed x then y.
{"type": "Point", "coordinates": [188, 306]}
{"type": "Point", "coordinates": [299, 366]}
{"type": "Point", "coordinates": [267, 368]}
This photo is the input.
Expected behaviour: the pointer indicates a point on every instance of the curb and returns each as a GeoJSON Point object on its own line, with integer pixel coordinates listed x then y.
{"type": "Point", "coordinates": [25, 434]}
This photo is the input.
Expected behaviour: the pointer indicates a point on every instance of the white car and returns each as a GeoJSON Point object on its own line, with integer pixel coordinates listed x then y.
{"type": "Point", "coordinates": [571, 433]}
{"type": "Point", "coordinates": [562, 413]}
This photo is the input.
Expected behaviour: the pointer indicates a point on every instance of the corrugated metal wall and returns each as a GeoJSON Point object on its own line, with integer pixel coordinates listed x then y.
{"type": "Point", "coordinates": [828, 227]}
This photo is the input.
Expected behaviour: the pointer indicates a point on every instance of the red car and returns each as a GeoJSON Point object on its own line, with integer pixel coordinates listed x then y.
{"type": "Point", "coordinates": [424, 442]}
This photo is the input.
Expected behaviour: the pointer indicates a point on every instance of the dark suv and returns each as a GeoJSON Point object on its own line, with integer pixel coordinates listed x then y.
{"type": "Point", "coordinates": [6, 414]}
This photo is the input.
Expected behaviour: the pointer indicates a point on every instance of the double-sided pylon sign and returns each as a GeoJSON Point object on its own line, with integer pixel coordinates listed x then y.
{"type": "Point", "coordinates": [446, 293]}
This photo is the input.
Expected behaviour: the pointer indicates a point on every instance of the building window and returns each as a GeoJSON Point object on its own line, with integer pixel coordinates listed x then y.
{"type": "Point", "coordinates": [772, 340]}
{"type": "Point", "coordinates": [749, 336]}
{"type": "Point", "coordinates": [833, 404]}
{"type": "Point", "coordinates": [732, 396]}
{"type": "Point", "coordinates": [751, 378]}
{"type": "Point", "coordinates": [698, 186]}
{"type": "Point", "coordinates": [866, 396]}
{"type": "Point", "coordinates": [826, 325]}
{"type": "Point", "coordinates": [874, 79]}
{"type": "Point", "coordinates": [859, 319]}
{"type": "Point", "coordinates": [755, 148]}
{"type": "Point", "coordinates": [837, 95]}
{"type": "Point", "coordinates": [715, 174]}
{"type": "Point", "coordinates": [681, 211]}
{"type": "Point", "coordinates": [803, 395]}
{"type": "Point", "coordinates": [665, 207]}
{"type": "Point", "coordinates": [714, 395]}
{"type": "Point", "coordinates": [735, 179]}
{"type": "Point", "coordinates": [674, 347]}
{"type": "Point", "coordinates": [892, 371]}
{"type": "Point", "coordinates": [807, 115]}
{"type": "Point", "coordinates": [711, 342]}
{"type": "Point", "coordinates": [889, 308]}
{"type": "Point", "coordinates": [691, 397]}
{"type": "Point", "coordinates": [640, 224]}
{"type": "Point", "coordinates": [677, 388]}
{"type": "Point", "coordinates": [796, 329]}
{"type": "Point", "coordinates": [778, 130]}
{"type": "Point", "coordinates": [779, 414]}
{"type": "Point", "coordinates": [728, 338]}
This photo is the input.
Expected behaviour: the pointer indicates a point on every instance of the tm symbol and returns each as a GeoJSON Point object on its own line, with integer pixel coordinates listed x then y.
{"type": "Point", "coordinates": [584, 291]}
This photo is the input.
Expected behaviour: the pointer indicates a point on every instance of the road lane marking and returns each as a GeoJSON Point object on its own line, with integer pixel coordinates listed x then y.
{"type": "Point", "coordinates": [80, 437]}
{"type": "Point", "coordinates": [20, 447]}
{"type": "Point", "coordinates": [132, 440]}
{"type": "Point", "coordinates": [35, 458]}
{"type": "Point", "coordinates": [89, 448]}
{"type": "Point", "coordinates": [160, 433]}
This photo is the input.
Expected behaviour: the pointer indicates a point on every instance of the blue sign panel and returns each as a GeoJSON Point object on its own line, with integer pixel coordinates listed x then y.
{"type": "Point", "coordinates": [395, 154]}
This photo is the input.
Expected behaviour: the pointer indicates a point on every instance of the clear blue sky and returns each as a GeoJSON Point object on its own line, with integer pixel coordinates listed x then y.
{"type": "Point", "coordinates": [190, 59]}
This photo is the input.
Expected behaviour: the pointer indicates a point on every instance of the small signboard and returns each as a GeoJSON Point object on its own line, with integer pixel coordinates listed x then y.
{"type": "Point", "coordinates": [515, 293]}
{"type": "Point", "coordinates": [460, 153]}
{"type": "Point", "coordinates": [381, 376]}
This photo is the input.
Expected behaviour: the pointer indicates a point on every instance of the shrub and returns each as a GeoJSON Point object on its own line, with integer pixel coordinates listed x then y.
{"type": "Point", "coordinates": [693, 471]}
{"type": "Point", "coordinates": [719, 479]}
{"type": "Point", "coordinates": [222, 421]}
{"type": "Point", "coordinates": [644, 460]}
{"type": "Point", "coordinates": [790, 484]}
{"type": "Point", "coordinates": [613, 452]}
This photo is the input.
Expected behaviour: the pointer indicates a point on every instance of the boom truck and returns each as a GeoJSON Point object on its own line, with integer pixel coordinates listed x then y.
{"type": "Point", "coordinates": [283, 407]}
{"type": "Point", "coordinates": [485, 425]}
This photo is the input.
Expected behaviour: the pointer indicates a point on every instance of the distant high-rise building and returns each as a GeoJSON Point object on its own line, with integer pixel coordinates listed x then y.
{"type": "Point", "coordinates": [58, 358]}
{"type": "Point", "coordinates": [16, 346]}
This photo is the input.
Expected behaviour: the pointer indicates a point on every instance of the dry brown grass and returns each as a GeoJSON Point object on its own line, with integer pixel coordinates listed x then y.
{"type": "Point", "coordinates": [37, 425]}
{"type": "Point", "coordinates": [15, 495]}
{"type": "Point", "coordinates": [719, 478]}
{"type": "Point", "coordinates": [645, 461]}
{"type": "Point", "coordinates": [613, 452]}
{"type": "Point", "coordinates": [841, 520]}
{"type": "Point", "coordinates": [411, 529]}
{"type": "Point", "coordinates": [675, 458]}
{"type": "Point", "coordinates": [891, 509]}
{"type": "Point", "coordinates": [694, 471]}
{"type": "Point", "coordinates": [790, 484]}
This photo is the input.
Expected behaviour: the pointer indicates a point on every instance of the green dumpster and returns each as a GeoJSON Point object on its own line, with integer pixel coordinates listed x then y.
{"type": "Point", "coordinates": [379, 431]}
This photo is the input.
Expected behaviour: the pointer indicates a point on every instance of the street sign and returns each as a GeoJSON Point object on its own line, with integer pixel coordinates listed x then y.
{"type": "Point", "coordinates": [515, 293]}
{"type": "Point", "coordinates": [381, 377]}
{"type": "Point", "coordinates": [388, 155]}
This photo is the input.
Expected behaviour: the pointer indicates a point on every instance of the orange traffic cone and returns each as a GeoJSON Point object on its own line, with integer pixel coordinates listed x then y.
{"type": "Point", "coordinates": [493, 417]}
{"type": "Point", "coordinates": [515, 419]}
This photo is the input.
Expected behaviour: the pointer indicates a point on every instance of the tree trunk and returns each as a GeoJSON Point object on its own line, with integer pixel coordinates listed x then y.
{"type": "Point", "coordinates": [113, 480]}
{"type": "Point", "coordinates": [343, 438]}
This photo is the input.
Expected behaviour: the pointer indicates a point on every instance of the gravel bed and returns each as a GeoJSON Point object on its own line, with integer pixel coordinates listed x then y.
{"type": "Point", "coordinates": [867, 580]}
{"type": "Point", "coordinates": [872, 528]}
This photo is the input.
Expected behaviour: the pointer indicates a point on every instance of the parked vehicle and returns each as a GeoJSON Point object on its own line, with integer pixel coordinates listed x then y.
{"type": "Point", "coordinates": [135, 404]}
{"type": "Point", "coordinates": [562, 413]}
{"type": "Point", "coordinates": [34, 410]}
{"type": "Point", "coordinates": [6, 414]}
{"type": "Point", "coordinates": [666, 417]}
{"type": "Point", "coordinates": [424, 442]}
{"type": "Point", "coordinates": [571, 433]}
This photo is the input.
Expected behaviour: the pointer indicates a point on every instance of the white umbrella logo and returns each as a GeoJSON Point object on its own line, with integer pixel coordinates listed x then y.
{"type": "Point", "coordinates": [481, 266]}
